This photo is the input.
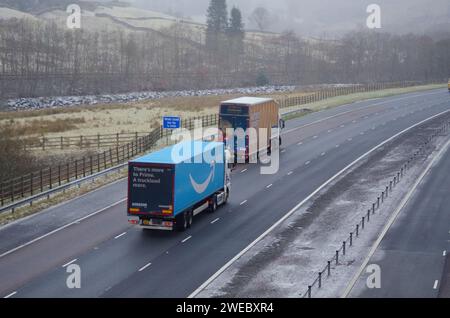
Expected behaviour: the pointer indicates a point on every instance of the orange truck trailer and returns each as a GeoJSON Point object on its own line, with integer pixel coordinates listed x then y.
{"type": "Point", "coordinates": [250, 112]}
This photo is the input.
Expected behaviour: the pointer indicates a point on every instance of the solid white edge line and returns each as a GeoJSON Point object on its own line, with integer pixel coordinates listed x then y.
{"type": "Point", "coordinates": [145, 267]}
{"type": "Point", "coordinates": [10, 295]}
{"type": "Point", "coordinates": [61, 228]}
{"type": "Point", "coordinates": [391, 221]}
{"type": "Point", "coordinates": [72, 261]}
{"type": "Point", "coordinates": [288, 214]}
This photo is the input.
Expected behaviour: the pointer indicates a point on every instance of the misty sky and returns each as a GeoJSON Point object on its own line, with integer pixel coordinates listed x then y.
{"type": "Point", "coordinates": [321, 17]}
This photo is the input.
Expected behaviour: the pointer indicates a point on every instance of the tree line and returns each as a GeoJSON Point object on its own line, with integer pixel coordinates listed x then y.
{"type": "Point", "coordinates": [42, 58]}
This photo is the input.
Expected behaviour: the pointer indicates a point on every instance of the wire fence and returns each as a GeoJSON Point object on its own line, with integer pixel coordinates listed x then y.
{"type": "Point", "coordinates": [366, 218]}
{"type": "Point", "coordinates": [325, 93]}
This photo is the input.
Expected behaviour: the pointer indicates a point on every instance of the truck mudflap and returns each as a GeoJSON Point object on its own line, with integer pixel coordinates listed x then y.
{"type": "Point", "coordinates": [153, 224]}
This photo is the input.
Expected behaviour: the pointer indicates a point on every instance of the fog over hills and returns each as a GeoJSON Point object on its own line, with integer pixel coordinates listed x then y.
{"type": "Point", "coordinates": [324, 17]}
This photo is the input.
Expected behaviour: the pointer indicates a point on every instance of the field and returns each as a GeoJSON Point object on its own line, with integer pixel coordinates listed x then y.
{"type": "Point", "coordinates": [108, 118]}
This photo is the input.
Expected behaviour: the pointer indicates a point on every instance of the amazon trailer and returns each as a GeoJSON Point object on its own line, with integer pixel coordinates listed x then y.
{"type": "Point", "coordinates": [243, 113]}
{"type": "Point", "coordinates": [167, 188]}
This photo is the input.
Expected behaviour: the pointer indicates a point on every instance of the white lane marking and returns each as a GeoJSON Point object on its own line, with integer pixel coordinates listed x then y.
{"type": "Point", "coordinates": [186, 239]}
{"type": "Point", "coordinates": [269, 186]}
{"type": "Point", "coordinates": [307, 163]}
{"type": "Point", "coordinates": [315, 137]}
{"type": "Point", "coordinates": [290, 172]}
{"type": "Point", "coordinates": [358, 109]}
{"type": "Point", "coordinates": [300, 143]}
{"type": "Point", "coordinates": [323, 154]}
{"type": "Point", "coordinates": [444, 253]}
{"type": "Point", "coordinates": [245, 170]}
{"type": "Point", "coordinates": [337, 146]}
{"type": "Point", "coordinates": [350, 139]}
{"type": "Point", "coordinates": [243, 202]}
{"type": "Point", "coordinates": [330, 131]}
{"type": "Point", "coordinates": [361, 133]}
{"type": "Point", "coordinates": [60, 229]}
{"type": "Point", "coordinates": [215, 220]}
{"type": "Point", "coordinates": [120, 235]}
{"type": "Point", "coordinates": [145, 267]}
{"type": "Point", "coordinates": [288, 214]}
{"type": "Point", "coordinates": [71, 262]}
{"type": "Point", "coordinates": [283, 151]}
{"type": "Point", "coordinates": [342, 126]}
{"type": "Point", "coordinates": [10, 295]}
{"type": "Point", "coordinates": [393, 218]}
{"type": "Point", "coordinates": [436, 284]}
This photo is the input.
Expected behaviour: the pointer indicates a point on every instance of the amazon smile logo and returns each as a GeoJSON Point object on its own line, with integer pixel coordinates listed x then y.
{"type": "Point", "coordinates": [201, 187]}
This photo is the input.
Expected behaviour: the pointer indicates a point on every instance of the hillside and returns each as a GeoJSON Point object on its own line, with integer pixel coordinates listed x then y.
{"type": "Point", "coordinates": [111, 15]}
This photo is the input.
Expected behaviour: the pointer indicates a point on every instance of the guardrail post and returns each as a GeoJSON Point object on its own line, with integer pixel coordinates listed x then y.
{"type": "Point", "coordinates": [12, 191]}
{"type": "Point", "coordinates": [84, 166]}
{"type": "Point", "coordinates": [390, 186]}
{"type": "Point", "coordinates": [351, 239]}
{"type": "Point", "coordinates": [382, 197]}
{"type": "Point", "coordinates": [387, 192]}
{"type": "Point", "coordinates": [91, 165]}
{"type": "Point", "coordinates": [50, 178]}
{"type": "Point", "coordinates": [329, 268]}
{"type": "Point", "coordinates": [320, 280]}
{"type": "Point", "coordinates": [357, 230]}
{"type": "Point", "coordinates": [363, 221]}
{"type": "Point", "coordinates": [68, 172]}
{"type": "Point", "coordinates": [309, 291]}
{"type": "Point", "coordinates": [22, 187]}
{"type": "Point", "coordinates": [368, 216]}
{"type": "Point", "coordinates": [373, 208]}
{"type": "Point", "coordinates": [76, 169]}
{"type": "Point", "coordinates": [337, 257]}
{"type": "Point", "coordinates": [59, 174]}
{"type": "Point", "coordinates": [41, 182]}
{"type": "Point", "coordinates": [378, 202]}
{"type": "Point", "coordinates": [343, 247]}
{"type": "Point", "coordinates": [1, 193]}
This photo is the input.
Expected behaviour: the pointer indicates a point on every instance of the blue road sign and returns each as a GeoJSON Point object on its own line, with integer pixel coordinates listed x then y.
{"type": "Point", "coordinates": [170, 122]}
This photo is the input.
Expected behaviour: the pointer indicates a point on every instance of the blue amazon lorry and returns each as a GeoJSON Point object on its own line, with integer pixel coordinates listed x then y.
{"type": "Point", "coordinates": [167, 188]}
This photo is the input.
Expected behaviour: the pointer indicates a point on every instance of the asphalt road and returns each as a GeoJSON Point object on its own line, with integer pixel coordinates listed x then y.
{"type": "Point", "coordinates": [118, 260]}
{"type": "Point", "coordinates": [412, 255]}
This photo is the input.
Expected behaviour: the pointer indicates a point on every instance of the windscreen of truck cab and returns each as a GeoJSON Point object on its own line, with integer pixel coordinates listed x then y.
{"type": "Point", "coordinates": [150, 188]}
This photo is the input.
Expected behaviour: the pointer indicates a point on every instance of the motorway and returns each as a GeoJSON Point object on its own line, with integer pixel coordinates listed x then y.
{"type": "Point", "coordinates": [412, 255]}
{"type": "Point", "coordinates": [118, 260]}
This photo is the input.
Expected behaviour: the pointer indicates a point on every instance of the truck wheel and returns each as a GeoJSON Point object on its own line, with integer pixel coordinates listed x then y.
{"type": "Point", "coordinates": [213, 204]}
{"type": "Point", "coordinates": [190, 219]}
{"type": "Point", "coordinates": [182, 222]}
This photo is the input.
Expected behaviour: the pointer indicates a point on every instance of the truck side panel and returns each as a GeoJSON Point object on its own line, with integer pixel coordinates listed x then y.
{"type": "Point", "coordinates": [264, 116]}
{"type": "Point", "coordinates": [195, 182]}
